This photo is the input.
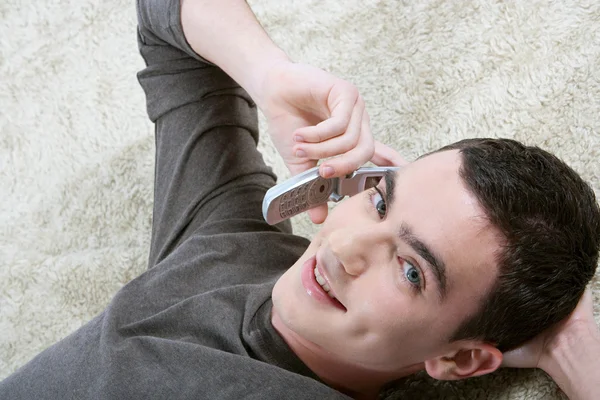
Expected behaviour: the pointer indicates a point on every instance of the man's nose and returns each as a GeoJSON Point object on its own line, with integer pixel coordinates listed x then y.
{"type": "Point", "coordinates": [358, 247]}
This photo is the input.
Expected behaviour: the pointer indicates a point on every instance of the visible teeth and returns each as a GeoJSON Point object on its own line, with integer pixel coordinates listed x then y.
{"type": "Point", "coordinates": [323, 283]}
{"type": "Point", "coordinates": [321, 280]}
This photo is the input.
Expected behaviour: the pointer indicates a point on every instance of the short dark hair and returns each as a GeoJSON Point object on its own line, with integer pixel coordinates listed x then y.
{"type": "Point", "coordinates": [550, 222]}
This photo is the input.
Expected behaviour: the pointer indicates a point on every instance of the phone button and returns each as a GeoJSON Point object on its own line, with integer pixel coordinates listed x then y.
{"type": "Point", "coordinates": [319, 191]}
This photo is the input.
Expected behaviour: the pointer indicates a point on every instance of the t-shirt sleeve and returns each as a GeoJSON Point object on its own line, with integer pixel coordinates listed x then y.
{"type": "Point", "coordinates": [209, 174]}
{"type": "Point", "coordinates": [161, 19]}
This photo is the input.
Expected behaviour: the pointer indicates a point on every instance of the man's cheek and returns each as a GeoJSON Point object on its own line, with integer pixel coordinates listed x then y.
{"type": "Point", "coordinates": [384, 313]}
{"type": "Point", "coordinates": [367, 317]}
{"type": "Point", "coordinates": [337, 215]}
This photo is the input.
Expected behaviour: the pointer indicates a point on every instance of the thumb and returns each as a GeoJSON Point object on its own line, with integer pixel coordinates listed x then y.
{"type": "Point", "coordinates": [385, 156]}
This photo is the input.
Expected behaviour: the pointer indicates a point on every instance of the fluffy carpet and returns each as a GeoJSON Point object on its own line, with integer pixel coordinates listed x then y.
{"type": "Point", "coordinates": [76, 148]}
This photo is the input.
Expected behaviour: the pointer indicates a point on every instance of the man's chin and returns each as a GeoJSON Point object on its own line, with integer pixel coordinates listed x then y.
{"type": "Point", "coordinates": [287, 292]}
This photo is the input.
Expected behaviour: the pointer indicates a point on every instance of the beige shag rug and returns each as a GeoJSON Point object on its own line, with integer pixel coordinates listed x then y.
{"type": "Point", "coordinates": [76, 148]}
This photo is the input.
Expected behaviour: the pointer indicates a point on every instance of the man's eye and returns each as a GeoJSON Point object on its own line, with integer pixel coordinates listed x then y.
{"type": "Point", "coordinates": [412, 274]}
{"type": "Point", "coordinates": [379, 203]}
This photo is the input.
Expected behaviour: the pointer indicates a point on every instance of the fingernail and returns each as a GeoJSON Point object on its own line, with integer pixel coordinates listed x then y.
{"type": "Point", "coordinates": [300, 153]}
{"type": "Point", "coordinates": [298, 138]}
{"type": "Point", "coordinates": [327, 171]}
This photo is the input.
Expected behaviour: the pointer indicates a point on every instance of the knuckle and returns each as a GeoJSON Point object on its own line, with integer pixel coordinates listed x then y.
{"type": "Point", "coordinates": [342, 148]}
{"type": "Point", "coordinates": [339, 126]}
{"type": "Point", "coordinates": [348, 142]}
{"type": "Point", "coordinates": [313, 135]}
{"type": "Point", "coordinates": [364, 153]}
{"type": "Point", "coordinates": [370, 149]}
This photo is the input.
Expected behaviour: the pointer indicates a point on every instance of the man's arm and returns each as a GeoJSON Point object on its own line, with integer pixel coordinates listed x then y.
{"type": "Point", "coordinates": [226, 33]}
{"type": "Point", "coordinates": [312, 115]}
{"type": "Point", "coordinates": [186, 96]}
{"type": "Point", "coordinates": [568, 352]}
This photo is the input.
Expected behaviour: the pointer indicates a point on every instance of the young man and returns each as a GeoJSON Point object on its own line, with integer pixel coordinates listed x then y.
{"type": "Point", "coordinates": [434, 269]}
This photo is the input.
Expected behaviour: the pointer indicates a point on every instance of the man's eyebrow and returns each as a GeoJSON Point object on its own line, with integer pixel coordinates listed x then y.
{"type": "Point", "coordinates": [435, 264]}
{"type": "Point", "coordinates": [390, 182]}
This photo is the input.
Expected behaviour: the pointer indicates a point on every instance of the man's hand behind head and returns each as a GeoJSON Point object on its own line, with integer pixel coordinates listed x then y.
{"type": "Point", "coordinates": [538, 352]}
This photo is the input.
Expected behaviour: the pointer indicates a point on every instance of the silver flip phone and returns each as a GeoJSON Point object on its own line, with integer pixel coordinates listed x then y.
{"type": "Point", "coordinates": [308, 189]}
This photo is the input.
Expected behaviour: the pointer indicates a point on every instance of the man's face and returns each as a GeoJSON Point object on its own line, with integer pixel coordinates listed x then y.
{"type": "Point", "coordinates": [406, 267]}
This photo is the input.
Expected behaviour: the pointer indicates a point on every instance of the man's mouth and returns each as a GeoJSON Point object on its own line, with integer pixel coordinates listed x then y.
{"type": "Point", "coordinates": [321, 281]}
{"type": "Point", "coordinates": [321, 285]}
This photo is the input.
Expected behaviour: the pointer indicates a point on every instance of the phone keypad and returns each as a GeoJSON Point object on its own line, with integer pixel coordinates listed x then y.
{"type": "Point", "coordinates": [304, 197]}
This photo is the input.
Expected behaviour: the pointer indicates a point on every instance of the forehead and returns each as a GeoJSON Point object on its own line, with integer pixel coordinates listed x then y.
{"type": "Point", "coordinates": [431, 197]}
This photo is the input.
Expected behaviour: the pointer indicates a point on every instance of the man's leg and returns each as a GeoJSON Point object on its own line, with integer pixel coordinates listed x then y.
{"type": "Point", "coordinates": [208, 170]}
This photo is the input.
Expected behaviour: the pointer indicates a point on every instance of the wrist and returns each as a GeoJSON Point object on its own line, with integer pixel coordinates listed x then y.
{"type": "Point", "coordinates": [572, 361]}
{"type": "Point", "coordinates": [226, 33]}
{"type": "Point", "coordinates": [259, 69]}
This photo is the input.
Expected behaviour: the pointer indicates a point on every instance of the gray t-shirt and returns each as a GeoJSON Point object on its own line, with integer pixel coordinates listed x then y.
{"type": "Point", "coordinates": [196, 324]}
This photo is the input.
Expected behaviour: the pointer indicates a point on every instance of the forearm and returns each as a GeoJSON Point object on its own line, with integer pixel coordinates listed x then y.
{"type": "Point", "coordinates": [574, 364]}
{"type": "Point", "coordinates": [227, 33]}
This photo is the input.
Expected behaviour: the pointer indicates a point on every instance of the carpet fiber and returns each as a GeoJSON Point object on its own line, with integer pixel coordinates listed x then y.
{"type": "Point", "coordinates": [76, 148]}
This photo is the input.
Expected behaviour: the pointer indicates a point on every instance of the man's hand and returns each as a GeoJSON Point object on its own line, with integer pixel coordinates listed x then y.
{"type": "Point", "coordinates": [537, 352]}
{"type": "Point", "coordinates": [569, 352]}
{"type": "Point", "coordinates": [313, 115]}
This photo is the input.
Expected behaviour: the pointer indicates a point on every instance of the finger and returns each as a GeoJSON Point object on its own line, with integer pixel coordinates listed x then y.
{"type": "Point", "coordinates": [337, 145]}
{"type": "Point", "coordinates": [385, 156]}
{"type": "Point", "coordinates": [334, 126]}
{"type": "Point", "coordinates": [342, 99]}
{"type": "Point", "coordinates": [355, 158]}
{"type": "Point", "coordinates": [318, 214]}
{"type": "Point", "coordinates": [325, 130]}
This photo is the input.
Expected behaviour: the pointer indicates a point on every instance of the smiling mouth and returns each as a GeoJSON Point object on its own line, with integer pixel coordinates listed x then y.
{"type": "Point", "coordinates": [326, 288]}
{"type": "Point", "coordinates": [321, 281]}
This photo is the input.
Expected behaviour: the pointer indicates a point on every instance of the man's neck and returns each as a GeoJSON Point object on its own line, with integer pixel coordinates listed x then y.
{"type": "Point", "coordinates": [350, 379]}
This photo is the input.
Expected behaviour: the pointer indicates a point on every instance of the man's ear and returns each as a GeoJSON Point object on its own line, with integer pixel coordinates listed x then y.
{"type": "Point", "coordinates": [470, 359]}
